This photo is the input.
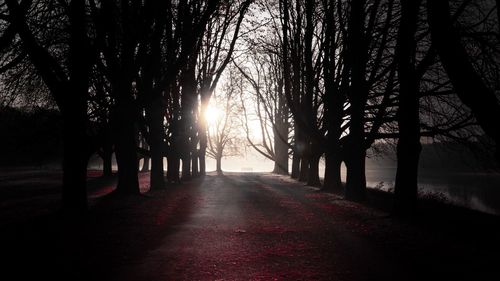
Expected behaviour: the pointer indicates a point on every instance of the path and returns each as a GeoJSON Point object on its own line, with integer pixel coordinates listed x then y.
{"type": "Point", "coordinates": [252, 227]}
{"type": "Point", "coordinates": [249, 226]}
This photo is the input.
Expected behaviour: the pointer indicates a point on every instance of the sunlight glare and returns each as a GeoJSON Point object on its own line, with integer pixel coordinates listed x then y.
{"type": "Point", "coordinates": [212, 115]}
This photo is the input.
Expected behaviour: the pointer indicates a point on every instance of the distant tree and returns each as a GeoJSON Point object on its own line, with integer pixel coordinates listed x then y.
{"type": "Point", "coordinates": [147, 50]}
{"type": "Point", "coordinates": [99, 105]}
{"type": "Point", "coordinates": [224, 128]}
{"type": "Point", "coordinates": [269, 107]}
{"type": "Point", "coordinates": [218, 46]}
{"type": "Point", "coordinates": [302, 48]}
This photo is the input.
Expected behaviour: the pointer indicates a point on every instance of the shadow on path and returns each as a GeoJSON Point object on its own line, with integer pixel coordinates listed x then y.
{"type": "Point", "coordinates": [241, 227]}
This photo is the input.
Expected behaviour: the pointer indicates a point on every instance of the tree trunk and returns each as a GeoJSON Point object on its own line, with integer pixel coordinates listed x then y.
{"type": "Point", "coordinates": [302, 148]}
{"type": "Point", "coordinates": [157, 176]}
{"type": "Point", "coordinates": [194, 163]}
{"type": "Point", "coordinates": [203, 161]}
{"type": "Point", "coordinates": [408, 149]}
{"type": "Point", "coordinates": [308, 116]}
{"type": "Point", "coordinates": [75, 157]}
{"type": "Point", "coordinates": [355, 156]}
{"type": "Point", "coordinates": [334, 100]}
{"type": "Point", "coordinates": [202, 133]}
{"type": "Point", "coordinates": [107, 160]}
{"type": "Point", "coordinates": [295, 165]}
{"type": "Point", "coordinates": [173, 162]}
{"type": "Point", "coordinates": [296, 158]}
{"type": "Point", "coordinates": [219, 165]}
{"type": "Point", "coordinates": [183, 147]}
{"type": "Point", "coordinates": [186, 166]}
{"type": "Point", "coordinates": [281, 130]}
{"type": "Point", "coordinates": [125, 140]}
{"type": "Point", "coordinates": [406, 185]}
{"type": "Point", "coordinates": [333, 180]}
{"type": "Point", "coordinates": [194, 140]}
{"type": "Point", "coordinates": [145, 164]}
{"type": "Point", "coordinates": [74, 192]}
{"type": "Point", "coordinates": [281, 150]}
{"type": "Point", "coordinates": [304, 167]}
{"type": "Point", "coordinates": [355, 179]}
{"type": "Point", "coordinates": [313, 175]}
{"type": "Point", "coordinates": [280, 168]}
{"type": "Point", "coordinates": [357, 57]}
{"type": "Point", "coordinates": [189, 103]}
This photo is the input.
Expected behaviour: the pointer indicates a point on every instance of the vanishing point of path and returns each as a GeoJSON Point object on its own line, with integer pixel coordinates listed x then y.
{"type": "Point", "coordinates": [248, 227]}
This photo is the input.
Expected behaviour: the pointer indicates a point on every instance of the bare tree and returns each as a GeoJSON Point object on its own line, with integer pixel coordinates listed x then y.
{"type": "Point", "coordinates": [219, 44]}
{"type": "Point", "coordinates": [62, 75]}
{"type": "Point", "coordinates": [223, 125]}
{"type": "Point", "coordinates": [409, 147]}
{"type": "Point", "coordinates": [269, 106]}
{"type": "Point", "coordinates": [467, 82]}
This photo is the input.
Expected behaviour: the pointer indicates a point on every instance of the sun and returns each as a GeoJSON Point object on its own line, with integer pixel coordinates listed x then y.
{"type": "Point", "coordinates": [212, 115]}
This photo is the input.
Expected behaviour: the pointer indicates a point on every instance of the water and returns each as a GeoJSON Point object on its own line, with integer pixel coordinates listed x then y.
{"type": "Point", "coordinates": [477, 191]}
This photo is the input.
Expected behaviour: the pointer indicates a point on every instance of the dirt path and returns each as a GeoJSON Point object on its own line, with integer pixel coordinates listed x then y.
{"type": "Point", "coordinates": [248, 227]}
{"type": "Point", "coordinates": [252, 227]}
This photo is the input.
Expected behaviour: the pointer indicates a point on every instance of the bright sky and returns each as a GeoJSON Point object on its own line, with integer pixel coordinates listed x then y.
{"type": "Point", "coordinates": [212, 115]}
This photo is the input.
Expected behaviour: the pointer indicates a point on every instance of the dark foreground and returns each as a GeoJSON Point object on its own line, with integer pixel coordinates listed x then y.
{"type": "Point", "coordinates": [237, 227]}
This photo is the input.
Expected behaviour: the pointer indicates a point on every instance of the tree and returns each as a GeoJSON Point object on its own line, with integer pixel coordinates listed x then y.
{"type": "Point", "coordinates": [223, 123]}
{"type": "Point", "coordinates": [67, 80]}
{"type": "Point", "coordinates": [408, 149]}
{"type": "Point", "coordinates": [467, 83]}
{"type": "Point", "coordinates": [334, 96]}
{"type": "Point", "coordinates": [145, 47]}
{"type": "Point", "coordinates": [357, 58]}
{"type": "Point", "coordinates": [219, 43]}
{"type": "Point", "coordinates": [269, 106]}
{"type": "Point", "coordinates": [303, 42]}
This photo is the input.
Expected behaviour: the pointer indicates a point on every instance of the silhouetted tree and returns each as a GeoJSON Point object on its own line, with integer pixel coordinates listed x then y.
{"type": "Point", "coordinates": [409, 147]}
{"type": "Point", "coordinates": [219, 43]}
{"type": "Point", "coordinates": [69, 74]}
{"type": "Point", "coordinates": [467, 83]}
{"type": "Point", "coordinates": [334, 95]}
{"type": "Point", "coordinates": [269, 107]}
{"type": "Point", "coordinates": [356, 59]}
